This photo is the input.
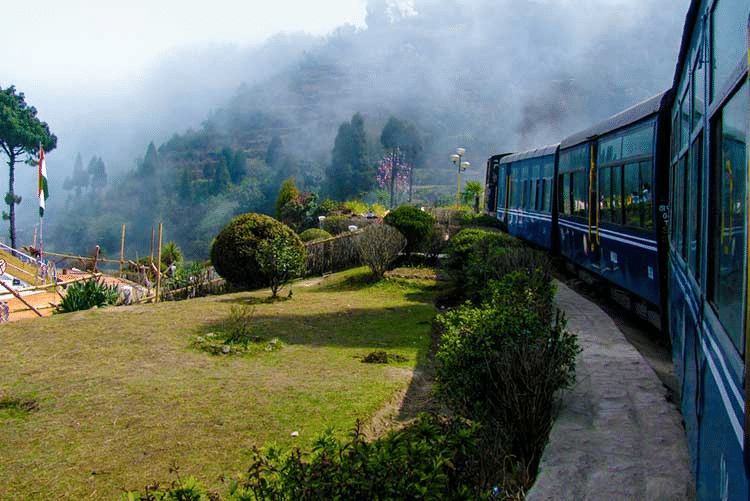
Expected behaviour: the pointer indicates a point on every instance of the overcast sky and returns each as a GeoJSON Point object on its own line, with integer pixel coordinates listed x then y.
{"type": "Point", "coordinates": [70, 45]}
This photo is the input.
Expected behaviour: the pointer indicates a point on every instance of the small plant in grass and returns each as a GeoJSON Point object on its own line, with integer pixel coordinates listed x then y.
{"type": "Point", "coordinates": [16, 407]}
{"type": "Point", "coordinates": [238, 336]}
{"type": "Point", "coordinates": [88, 294]}
{"type": "Point", "coordinates": [382, 357]}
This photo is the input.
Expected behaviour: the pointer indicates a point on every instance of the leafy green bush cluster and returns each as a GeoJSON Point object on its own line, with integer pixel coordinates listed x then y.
{"type": "Point", "coordinates": [415, 224]}
{"type": "Point", "coordinates": [255, 250]}
{"type": "Point", "coordinates": [311, 234]}
{"type": "Point", "coordinates": [88, 294]}
{"type": "Point", "coordinates": [476, 256]}
{"type": "Point", "coordinates": [482, 221]}
{"type": "Point", "coordinates": [431, 459]}
{"type": "Point", "coordinates": [355, 207]}
{"type": "Point", "coordinates": [336, 224]}
{"type": "Point", "coordinates": [502, 361]}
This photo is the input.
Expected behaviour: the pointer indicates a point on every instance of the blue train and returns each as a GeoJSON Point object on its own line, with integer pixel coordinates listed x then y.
{"type": "Point", "coordinates": [654, 201]}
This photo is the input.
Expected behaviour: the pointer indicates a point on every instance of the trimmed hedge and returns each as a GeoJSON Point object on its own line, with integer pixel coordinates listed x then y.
{"type": "Point", "coordinates": [415, 224]}
{"type": "Point", "coordinates": [235, 253]}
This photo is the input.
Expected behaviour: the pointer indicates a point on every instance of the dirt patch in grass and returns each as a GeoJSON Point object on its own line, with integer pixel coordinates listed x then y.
{"type": "Point", "coordinates": [17, 407]}
{"type": "Point", "coordinates": [382, 357]}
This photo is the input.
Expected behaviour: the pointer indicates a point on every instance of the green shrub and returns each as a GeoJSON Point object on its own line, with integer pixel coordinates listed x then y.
{"type": "Point", "coordinates": [89, 294]}
{"type": "Point", "coordinates": [378, 210]}
{"type": "Point", "coordinates": [504, 360]}
{"type": "Point", "coordinates": [287, 193]}
{"type": "Point", "coordinates": [415, 224]}
{"type": "Point", "coordinates": [482, 221]}
{"type": "Point", "coordinates": [378, 246]}
{"type": "Point", "coordinates": [355, 207]}
{"type": "Point", "coordinates": [311, 234]}
{"type": "Point", "coordinates": [430, 459]}
{"type": "Point", "coordinates": [336, 224]}
{"type": "Point", "coordinates": [255, 250]}
{"type": "Point", "coordinates": [476, 256]}
{"type": "Point", "coordinates": [170, 253]}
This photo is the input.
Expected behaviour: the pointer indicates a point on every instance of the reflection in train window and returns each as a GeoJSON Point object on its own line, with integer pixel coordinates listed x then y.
{"type": "Point", "coordinates": [727, 260]}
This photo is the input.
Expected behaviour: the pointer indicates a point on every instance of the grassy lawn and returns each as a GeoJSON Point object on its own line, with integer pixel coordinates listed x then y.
{"type": "Point", "coordinates": [121, 394]}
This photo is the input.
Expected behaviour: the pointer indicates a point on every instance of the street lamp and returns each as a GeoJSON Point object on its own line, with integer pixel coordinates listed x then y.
{"type": "Point", "coordinates": [456, 159]}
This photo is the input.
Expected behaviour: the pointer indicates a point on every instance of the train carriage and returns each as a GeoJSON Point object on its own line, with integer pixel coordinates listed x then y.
{"type": "Point", "coordinates": [708, 243]}
{"type": "Point", "coordinates": [612, 202]}
{"type": "Point", "coordinates": [525, 194]}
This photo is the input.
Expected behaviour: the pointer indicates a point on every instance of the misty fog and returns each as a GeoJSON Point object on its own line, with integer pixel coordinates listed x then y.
{"type": "Point", "coordinates": [488, 75]}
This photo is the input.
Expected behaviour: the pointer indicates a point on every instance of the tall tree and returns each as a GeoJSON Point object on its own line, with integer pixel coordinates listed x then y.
{"type": "Point", "coordinates": [150, 161]}
{"type": "Point", "coordinates": [21, 133]}
{"type": "Point", "coordinates": [98, 173]}
{"type": "Point", "coordinates": [349, 174]}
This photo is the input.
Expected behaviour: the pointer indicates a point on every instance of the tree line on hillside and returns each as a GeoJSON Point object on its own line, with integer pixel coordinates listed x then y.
{"type": "Point", "coordinates": [195, 183]}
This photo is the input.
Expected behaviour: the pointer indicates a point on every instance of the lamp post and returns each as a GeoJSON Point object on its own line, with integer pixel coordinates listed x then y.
{"type": "Point", "coordinates": [456, 159]}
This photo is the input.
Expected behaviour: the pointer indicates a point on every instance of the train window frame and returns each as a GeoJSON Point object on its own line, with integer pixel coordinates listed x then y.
{"type": "Point", "coordinates": [693, 216]}
{"type": "Point", "coordinates": [732, 319]}
{"type": "Point", "coordinates": [723, 70]}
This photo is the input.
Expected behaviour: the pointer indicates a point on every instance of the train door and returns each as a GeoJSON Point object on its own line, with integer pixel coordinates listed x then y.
{"type": "Point", "coordinates": [594, 241]}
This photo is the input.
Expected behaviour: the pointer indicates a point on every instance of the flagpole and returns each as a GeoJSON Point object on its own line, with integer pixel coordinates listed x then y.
{"type": "Point", "coordinates": [39, 181]}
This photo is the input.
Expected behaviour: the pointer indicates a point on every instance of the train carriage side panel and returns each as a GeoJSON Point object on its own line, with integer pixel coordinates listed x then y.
{"type": "Point", "coordinates": [609, 220]}
{"type": "Point", "coordinates": [530, 195]}
{"type": "Point", "coordinates": [708, 265]}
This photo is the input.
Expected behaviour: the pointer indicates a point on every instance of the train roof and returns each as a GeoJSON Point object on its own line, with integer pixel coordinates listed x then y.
{"type": "Point", "coordinates": [626, 117]}
{"type": "Point", "coordinates": [536, 152]}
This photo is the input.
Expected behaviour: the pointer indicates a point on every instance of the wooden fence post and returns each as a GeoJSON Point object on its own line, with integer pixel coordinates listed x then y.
{"type": "Point", "coordinates": [122, 249]}
{"type": "Point", "coordinates": [158, 267]}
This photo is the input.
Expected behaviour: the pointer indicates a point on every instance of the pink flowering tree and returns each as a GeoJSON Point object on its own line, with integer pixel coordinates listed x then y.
{"type": "Point", "coordinates": [394, 174]}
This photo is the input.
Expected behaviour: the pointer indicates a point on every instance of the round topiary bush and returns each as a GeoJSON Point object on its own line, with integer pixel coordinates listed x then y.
{"type": "Point", "coordinates": [311, 234]}
{"type": "Point", "coordinates": [241, 253]}
{"type": "Point", "coordinates": [415, 224]}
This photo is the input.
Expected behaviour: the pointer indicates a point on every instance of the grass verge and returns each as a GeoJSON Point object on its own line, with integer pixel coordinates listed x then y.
{"type": "Point", "coordinates": [121, 394]}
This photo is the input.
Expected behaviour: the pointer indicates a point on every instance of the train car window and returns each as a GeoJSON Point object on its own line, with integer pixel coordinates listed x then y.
{"type": "Point", "coordinates": [685, 120]}
{"type": "Point", "coordinates": [727, 261]}
{"type": "Point", "coordinates": [675, 139]}
{"type": "Point", "coordinates": [647, 202]}
{"type": "Point", "coordinates": [610, 150]}
{"type": "Point", "coordinates": [564, 194]}
{"type": "Point", "coordinates": [500, 203]}
{"type": "Point", "coordinates": [693, 207]}
{"type": "Point", "coordinates": [549, 172]}
{"type": "Point", "coordinates": [678, 207]}
{"type": "Point", "coordinates": [579, 192]}
{"type": "Point", "coordinates": [632, 195]}
{"type": "Point", "coordinates": [605, 194]}
{"type": "Point", "coordinates": [728, 38]}
{"type": "Point", "coordinates": [617, 195]}
{"type": "Point", "coordinates": [544, 196]}
{"type": "Point", "coordinates": [638, 142]}
{"type": "Point", "coordinates": [538, 193]}
{"type": "Point", "coordinates": [534, 177]}
{"type": "Point", "coordinates": [517, 191]}
{"type": "Point", "coordinates": [698, 86]}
